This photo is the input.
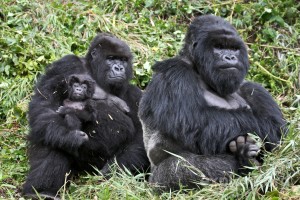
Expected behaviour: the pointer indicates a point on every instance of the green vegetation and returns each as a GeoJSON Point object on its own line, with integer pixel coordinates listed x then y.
{"type": "Point", "coordinates": [35, 33]}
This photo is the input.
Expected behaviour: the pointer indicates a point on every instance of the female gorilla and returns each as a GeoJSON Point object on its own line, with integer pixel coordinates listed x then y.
{"type": "Point", "coordinates": [199, 106]}
{"type": "Point", "coordinates": [112, 134]}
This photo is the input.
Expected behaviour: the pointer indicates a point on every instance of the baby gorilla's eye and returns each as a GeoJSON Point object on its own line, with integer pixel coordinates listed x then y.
{"type": "Point", "coordinates": [84, 86]}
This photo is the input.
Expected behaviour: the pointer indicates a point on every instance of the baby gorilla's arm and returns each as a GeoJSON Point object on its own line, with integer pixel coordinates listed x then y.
{"type": "Point", "coordinates": [82, 110]}
{"type": "Point", "coordinates": [111, 100]}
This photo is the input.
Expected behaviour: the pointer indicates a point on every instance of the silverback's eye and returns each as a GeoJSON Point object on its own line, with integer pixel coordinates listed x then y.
{"type": "Point", "coordinates": [124, 59]}
{"type": "Point", "coordinates": [110, 57]}
{"type": "Point", "coordinates": [234, 48]}
{"type": "Point", "coordinates": [219, 46]}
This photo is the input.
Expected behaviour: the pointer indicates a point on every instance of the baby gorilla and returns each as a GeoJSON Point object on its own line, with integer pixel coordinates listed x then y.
{"type": "Point", "coordinates": [78, 107]}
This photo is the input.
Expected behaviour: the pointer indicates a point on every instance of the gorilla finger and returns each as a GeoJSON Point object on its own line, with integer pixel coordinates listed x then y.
{"type": "Point", "coordinates": [82, 134]}
{"type": "Point", "coordinates": [127, 109]}
{"type": "Point", "coordinates": [255, 162]}
{"type": "Point", "coordinates": [252, 153]}
{"type": "Point", "coordinates": [59, 109]}
{"type": "Point", "coordinates": [233, 146]}
{"type": "Point", "coordinates": [223, 180]}
{"type": "Point", "coordinates": [122, 107]}
{"type": "Point", "coordinates": [250, 140]}
{"type": "Point", "coordinates": [240, 140]}
{"type": "Point", "coordinates": [253, 147]}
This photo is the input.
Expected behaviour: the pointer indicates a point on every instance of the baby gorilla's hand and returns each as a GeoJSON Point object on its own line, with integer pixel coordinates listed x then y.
{"type": "Point", "coordinates": [60, 109]}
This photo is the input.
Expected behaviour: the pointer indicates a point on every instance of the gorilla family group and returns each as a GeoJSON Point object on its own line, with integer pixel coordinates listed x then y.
{"type": "Point", "coordinates": [196, 112]}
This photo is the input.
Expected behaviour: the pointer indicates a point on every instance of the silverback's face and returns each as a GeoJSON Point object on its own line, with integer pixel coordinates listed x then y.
{"type": "Point", "coordinates": [219, 54]}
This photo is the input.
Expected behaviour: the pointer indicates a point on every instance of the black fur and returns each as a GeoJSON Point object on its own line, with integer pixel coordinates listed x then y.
{"type": "Point", "coordinates": [112, 133]}
{"type": "Point", "coordinates": [180, 116]}
{"type": "Point", "coordinates": [76, 107]}
{"type": "Point", "coordinates": [81, 79]}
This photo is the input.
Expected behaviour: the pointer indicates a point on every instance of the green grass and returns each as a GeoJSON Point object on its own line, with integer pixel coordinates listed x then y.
{"type": "Point", "coordinates": [35, 33]}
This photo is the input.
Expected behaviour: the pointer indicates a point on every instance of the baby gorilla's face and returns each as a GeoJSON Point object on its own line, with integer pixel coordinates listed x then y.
{"type": "Point", "coordinates": [79, 91]}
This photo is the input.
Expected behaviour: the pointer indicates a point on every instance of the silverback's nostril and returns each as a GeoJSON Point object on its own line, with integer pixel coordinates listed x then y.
{"type": "Point", "coordinates": [233, 58]}
{"type": "Point", "coordinates": [118, 68]}
{"type": "Point", "coordinates": [230, 57]}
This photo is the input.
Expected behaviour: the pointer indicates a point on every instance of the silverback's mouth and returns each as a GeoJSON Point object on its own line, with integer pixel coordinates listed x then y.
{"type": "Point", "coordinates": [116, 78]}
{"type": "Point", "coordinates": [229, 68]}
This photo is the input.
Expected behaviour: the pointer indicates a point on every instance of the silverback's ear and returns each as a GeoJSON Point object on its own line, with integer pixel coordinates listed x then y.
{"type": "Point", "coordinates": [195, 44]}
{"type": "Point", "coordinates": [94, 53]}
{"type": "Point", "coordinates": [192, 47]}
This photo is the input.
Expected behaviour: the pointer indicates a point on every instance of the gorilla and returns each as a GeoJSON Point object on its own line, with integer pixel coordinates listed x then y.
{"type": "Point", "coordinates": [77, 107]}
{"type": "Point", "coordinates": [113, 134]}
{"type": "Point", "coordinates": [86, 86]}
{"type": "Point", "coordinates": [198, 109]}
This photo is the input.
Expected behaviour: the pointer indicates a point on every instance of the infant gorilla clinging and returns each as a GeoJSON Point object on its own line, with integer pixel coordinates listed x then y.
{"type": "Point", "coordinates": [78, 106]}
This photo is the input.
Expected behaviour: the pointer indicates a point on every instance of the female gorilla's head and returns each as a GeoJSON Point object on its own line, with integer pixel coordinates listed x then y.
{"type": "Point", "coordinates": [109, 60]}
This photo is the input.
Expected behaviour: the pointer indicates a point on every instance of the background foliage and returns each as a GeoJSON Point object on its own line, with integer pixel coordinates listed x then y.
{"type": "Point", "coordinates": [35, 33]}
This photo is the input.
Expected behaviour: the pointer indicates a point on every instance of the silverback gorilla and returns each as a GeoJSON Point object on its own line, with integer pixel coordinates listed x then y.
{"type": "Point", "coordinates": [199, 107]}
{"type": "Point", "coordinates": [113, 135]}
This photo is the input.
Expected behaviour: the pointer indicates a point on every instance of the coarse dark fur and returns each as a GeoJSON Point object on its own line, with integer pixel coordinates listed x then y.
{"type": "Point", "coordinates": [79, 106]}
{"type": "Point", "coordinates": [76, 108]}
{"type": "Point", "coordinates": [198, 102]}
{"type": "Point", "coordinates": [113, 135]}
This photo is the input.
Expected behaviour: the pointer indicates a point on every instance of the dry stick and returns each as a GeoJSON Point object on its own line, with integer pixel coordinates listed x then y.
{"type": "Point", "coordinates": [41, 93]}
{"type": "Point", "coordinates": [275, 47]}
{"type": "Point", "coordinates": [296, 50]}
{"type": "Point", "coordinates": [225, 3]}
{"type": "Point", "coordinates": [232, 10]}
{"type": "Point", "coordinates": [270, 74]}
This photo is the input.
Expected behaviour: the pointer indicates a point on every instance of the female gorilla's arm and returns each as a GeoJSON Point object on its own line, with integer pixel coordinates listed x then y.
{"type": "Point", "coordinates": [47, 126]}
